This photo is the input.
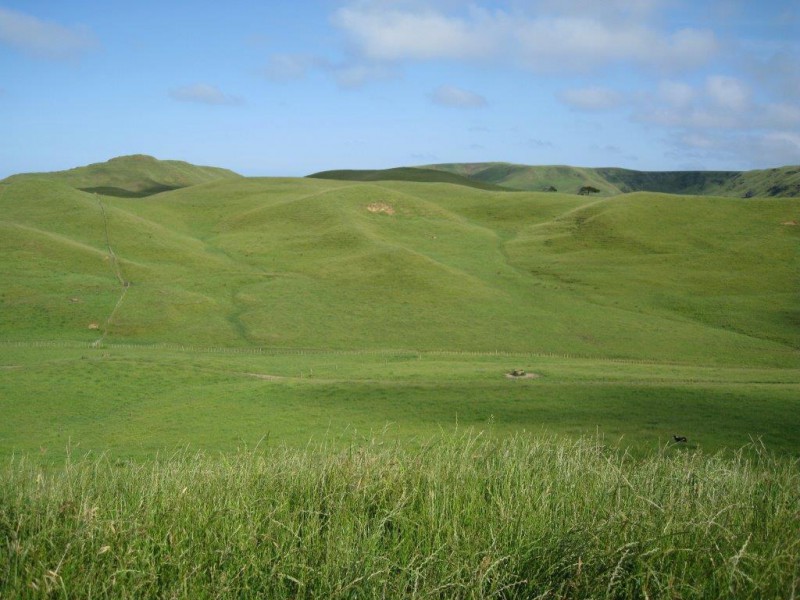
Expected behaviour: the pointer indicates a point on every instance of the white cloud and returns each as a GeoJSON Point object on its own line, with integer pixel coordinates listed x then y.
{"type": "Point", "coordinates": [347, 75]}
{"type": "Point", "coordinates": [748, 150]}
{"type": "Point", "coordinates": [592, 98]}
{"type": "Point", "coordinates": [722, 102]}
{"type": "Point", "coordinates": [675, 93]}
{"type": "Point", "coordinates": [449, 95]}
{"type": "Point", "coordinates": [204, 93]}
{"type": "Point", "coordinates": [727, 93]}
{"type": "Point", "coordinates": [394, 34]}
{"type": "Point", "coordinates": [585, 43]}
{"type": "Point", "coordinates": [555, 41]}
{"type": "Point", "coordinates": [43, 39]}
{"type": "Point", "coordinates": [615, 7]}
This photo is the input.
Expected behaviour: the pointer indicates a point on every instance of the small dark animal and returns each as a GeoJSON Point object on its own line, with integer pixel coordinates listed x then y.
{"type": "Point", "coordinates": [679, 438]}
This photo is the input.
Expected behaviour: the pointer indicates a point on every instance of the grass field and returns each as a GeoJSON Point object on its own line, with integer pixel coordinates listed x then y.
{"type": "Point", "coordinates": [644, 315]}
{"type": "Point", "coordinates": [297, 388]}
{"type": "Point", "coordinates": [135, 402]}
{"type": "Point", "coordinates": [461, 517]}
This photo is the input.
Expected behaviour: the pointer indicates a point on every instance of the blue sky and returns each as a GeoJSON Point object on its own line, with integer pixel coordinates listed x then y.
{"type": "Point", "coordinates": [289, 88]}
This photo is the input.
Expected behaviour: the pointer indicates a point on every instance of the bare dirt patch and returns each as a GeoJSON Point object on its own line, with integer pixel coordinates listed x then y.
{"type": "Point", "coordinates": [380, 207]}
{"type": "Point", "coordinates": [790, 223]}
{"type": "Point", "coordinates": [94, 326]}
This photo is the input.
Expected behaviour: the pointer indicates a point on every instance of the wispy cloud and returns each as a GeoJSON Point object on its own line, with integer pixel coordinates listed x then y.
{"type": "Point", "coordinates": [409, 34]}
{"type": "Point", "coordinates": [547, 38]}
{"type": "Point", "coordinates": [592, 98]}
{"type": "Point", "coordinates": [349, 76]}
{"type": "Point", "coordinates": [721, 119]}
{"type": "Point", "coordinates": [750, 149]}
{"type": "Point", "coordinates": [456, 97]}
{"type": "Point", "coordinates": [721, 102]}
{"type": "Point", "coordinates": [728, 93]}
{"type": "Point", "coordinates": [287, 67]}
{"type": "Point", "coordinates": [44, 39]}
{"type": "Point", "coordinates": [204, 93]}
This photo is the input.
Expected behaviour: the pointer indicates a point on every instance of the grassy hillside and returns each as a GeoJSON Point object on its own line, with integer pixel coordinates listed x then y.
{"type": "Point", "coordinates": [779, 182]}
{"type": "Point", "coordinates": [537, 179]}
{"type": "Point", "coordinates": [310, 337]}
{"type": "Point", "coordinates": [783, 182]}
{"type": "Point", "coordinates": [316, 263]}
{"type": "Point", "coordinates": [132, 176]}
{"type": "Point", "coordinates": [292, 307]}
{"type": "Point", "coordinates": [406, 174]}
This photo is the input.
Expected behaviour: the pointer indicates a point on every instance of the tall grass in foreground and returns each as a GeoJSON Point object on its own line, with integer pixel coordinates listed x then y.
{"type": "Point", "coordinates": [460, 517]}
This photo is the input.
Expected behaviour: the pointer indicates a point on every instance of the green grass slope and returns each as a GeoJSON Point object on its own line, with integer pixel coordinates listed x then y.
{"type": "Point", "coordinates": [537, 179]}
{"type": "Point", "coordinates": [325, 264]}
{"type": "Point", "coordinates": [781, 182]}
{"type": "Point", "coordinates": [219, 313]}
{"type": "Point", "coordinates": [406, 174]}
{"type": "Point", "coordinates": [671, 182]}
{"type": "Point", "coordinates": [132, 176]}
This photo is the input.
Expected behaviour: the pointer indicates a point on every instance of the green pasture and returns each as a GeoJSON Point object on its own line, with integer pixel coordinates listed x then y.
{"type": "Point", "coordinates": [239, 309]}
{"type": "Point", "coordinates": [136, 402]}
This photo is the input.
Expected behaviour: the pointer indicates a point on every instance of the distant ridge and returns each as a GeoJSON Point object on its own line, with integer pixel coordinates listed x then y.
{"type": "Point", "coordinates": [777, 182]}
{"type": "Point", "coordinates": [419, 174]}
{"type": "Point", "coordinates": [133, 176]}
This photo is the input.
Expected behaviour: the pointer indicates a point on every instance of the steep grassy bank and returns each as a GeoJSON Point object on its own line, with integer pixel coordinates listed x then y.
{"type": "Point", "coordinates": [457, 517]}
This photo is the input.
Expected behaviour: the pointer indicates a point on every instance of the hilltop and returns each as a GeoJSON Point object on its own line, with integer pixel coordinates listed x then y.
{"type": "Point", "coordinates": [779, 182]}
{"type": "Point", "coordinates": [133, 176]}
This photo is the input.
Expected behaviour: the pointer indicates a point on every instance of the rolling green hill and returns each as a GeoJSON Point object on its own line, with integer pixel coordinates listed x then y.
{"type": "Point", "coordinates": [132, 176]}
{"type": "Point", "coordinates": [407, 174]}
{"type": "Point", "coordinates": [328, 264]}
{"type": "Point", "coordinates": [219, 313]}
{"type": "Point", "coordinates": [779, 182]}
{"type": "Point", "coordinates": [336, 363]}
